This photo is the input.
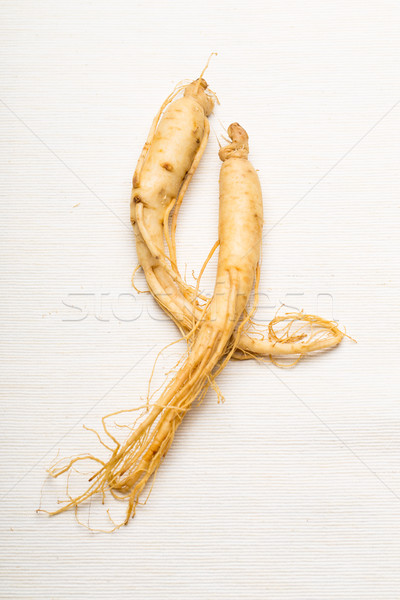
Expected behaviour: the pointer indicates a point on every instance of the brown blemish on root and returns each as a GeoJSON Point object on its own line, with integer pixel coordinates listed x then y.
{"type": "Point", "coordinates": [167, 166]}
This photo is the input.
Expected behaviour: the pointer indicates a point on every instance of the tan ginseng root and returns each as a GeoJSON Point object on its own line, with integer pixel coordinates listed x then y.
{"type": "Point", "coordinates": [134, 462]}
{"type": "Point", "coordinates": [175, 144]}
{"type": "Point", "coordinates": [170, 156]}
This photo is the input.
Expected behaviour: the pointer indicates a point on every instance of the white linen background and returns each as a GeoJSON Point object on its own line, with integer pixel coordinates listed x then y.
{"type": "Point", "coordinates": [291, 488]}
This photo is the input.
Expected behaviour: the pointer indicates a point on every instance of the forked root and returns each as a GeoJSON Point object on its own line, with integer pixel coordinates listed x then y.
{"type": "Point", "coordinates": [130, 467]}
{"type": "Point", "coordinates": [135, 462]}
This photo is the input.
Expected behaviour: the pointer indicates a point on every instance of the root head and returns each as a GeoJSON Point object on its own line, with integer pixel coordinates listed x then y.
{"type": "Point", "coordinates": [197, 90]}
{"type": "Point", "coordinates": [239, 147]}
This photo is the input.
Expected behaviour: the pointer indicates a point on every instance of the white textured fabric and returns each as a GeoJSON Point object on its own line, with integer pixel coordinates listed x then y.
{"type": "Point", "coordinates": [290, 490]}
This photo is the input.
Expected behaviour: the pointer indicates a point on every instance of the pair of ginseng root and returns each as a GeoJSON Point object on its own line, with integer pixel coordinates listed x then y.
{"type": "Point", "coordinates": [216, 329]}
